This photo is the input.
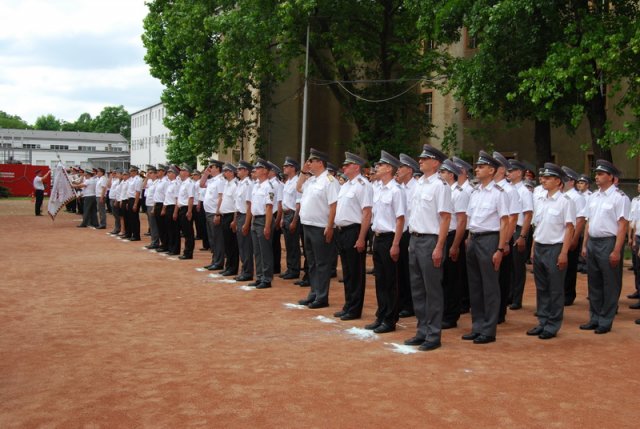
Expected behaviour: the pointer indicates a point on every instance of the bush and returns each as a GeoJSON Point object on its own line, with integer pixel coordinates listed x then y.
{"type": "Point", "coordinates": [4, 192]}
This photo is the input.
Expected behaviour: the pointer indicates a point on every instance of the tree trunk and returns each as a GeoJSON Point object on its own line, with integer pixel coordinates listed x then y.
{"type": "Point", "coordinates": [597, 116]}
{"type": "Point", "coordinates": [542, 141]}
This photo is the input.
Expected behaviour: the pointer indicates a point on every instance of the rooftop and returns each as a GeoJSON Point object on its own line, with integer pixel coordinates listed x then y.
{"type": "Point", "coordinates": [8, 133]}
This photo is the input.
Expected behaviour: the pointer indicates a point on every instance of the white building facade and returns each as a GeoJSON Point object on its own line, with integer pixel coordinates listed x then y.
{"type": "Point", "coordinates": [37, 147]}
{"type": "Point", "coordinates": [149, 136]}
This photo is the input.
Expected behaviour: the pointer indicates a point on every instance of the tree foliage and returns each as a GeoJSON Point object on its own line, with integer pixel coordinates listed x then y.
{"type": "Point", "coordinates": [48, 122]}
{"type": "Point", "coordinates": [220, 59]}
{"type": "Point", "coordinates": [112, 119]}
{"type": "Point", "coordinates": [12, 121]}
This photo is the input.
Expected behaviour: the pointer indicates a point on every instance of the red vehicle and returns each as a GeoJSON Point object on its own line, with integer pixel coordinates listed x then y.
{"type": "Point", "coordinates": [19, 178]}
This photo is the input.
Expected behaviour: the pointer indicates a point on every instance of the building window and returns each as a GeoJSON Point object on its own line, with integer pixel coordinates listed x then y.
{"type": "Point", "coordinates": [6, 145]}
{"type": "Point", "coordinates": [59, 147]}
{"type": "Point", "coordinates": [30, 146]}
{"type": "Point", "coordinates": [428, 106]}
{"type": "Point", "coordinates": [87, 148]}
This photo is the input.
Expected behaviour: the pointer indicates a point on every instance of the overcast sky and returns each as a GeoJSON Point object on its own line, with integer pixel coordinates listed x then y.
{"type": "Point", "coordinates": [67, 57]}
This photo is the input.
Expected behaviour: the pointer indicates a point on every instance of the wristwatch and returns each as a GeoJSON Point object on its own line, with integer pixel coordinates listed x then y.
{"type": "Point", "coordinates": [500, 249]}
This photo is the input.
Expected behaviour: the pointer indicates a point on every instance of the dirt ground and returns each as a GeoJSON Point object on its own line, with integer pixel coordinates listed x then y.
{"type": "Point", "coordinates": [99, 333]}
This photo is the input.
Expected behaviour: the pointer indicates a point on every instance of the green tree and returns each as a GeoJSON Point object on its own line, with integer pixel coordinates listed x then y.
{"type": "Point", "coordinates": [112, 119]}
{"type": "Point", "coordinates": [12, 121]}
{"type": "Point", "coordinates": [220, 59]}
{"type": "Point", "coordinates": [48, 122]}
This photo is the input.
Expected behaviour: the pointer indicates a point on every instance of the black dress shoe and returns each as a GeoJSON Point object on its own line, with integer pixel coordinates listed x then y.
{"type": "Point", "coordinates": [243, 278]}
{"type": "Point", "coordinates": [100, 227]}
{"type": "Point", "coordinates": [151, 247]}
{"type": "Point", "coordinates": [406, 313]}
{"type": "Point", "coordinates": [589, 326]}
{"type": "Point", "coordinates": [318, 304]}
{"type": "Point", "coordinates": [305, 301]}
{"type": "Point", "coordinates": [414, 341]}
{"type": "Point", "coordinates": [635, 306]}
{"type": "Point", "coordinates": [254, 284]}
{"type": "Point", "coordinates": [484, 339]}
{"type": "Point", "coordinates": [162, 250]}
{"type": "Point", "coordinates": [384, 328]}
{"type": "Point", "coordinates": [449, 325]}
{"type": "Point", "coordinates": [183, 257]}
{"type": "Point", "coordinates": [602, 330]}
{"type": "Point", "coordinates": [134, 239]}
{"type": "Point", "coordinates": [304, 283]}
{"type": "Point", "coordinates": [290, 276]}
{"type": "Point", "coordinates": [229, 273]}
{"type": "Point", "coordinates": [349, 316]}
{"type": "Point", "coordinates": [429, 345]}
{"type": "Point", "coordinates": [637, 321]}
{"type": "Point", "coordinates": [173, 253]}
{"type": "Point", "coordinates": [634, 295]}
{"type": "Point", "coordinates": [339, 313]}
{"type": "Point", "coordinates": [535, 331]}
{"type": "Point", "coordinates": [470, 336]}
{"type": "Point", "coordinates": [202, 249]}
{"type": "Point", "coordinates": [80, 226]}
{"type": "Point", "coordinates": [263, 285]}
{"type": "Point", "coordinates": [374, 325]}
{"type": "Point", "coordinates": [515, 306]}
{"type": "Point", "coordinates": [281, 275]}
{"type": "Point", "coordinates": [546, 335]}
{"type": "Point", "coordinates": [297, 283]}
{"type": "Point", "coordinates": [213, 267]}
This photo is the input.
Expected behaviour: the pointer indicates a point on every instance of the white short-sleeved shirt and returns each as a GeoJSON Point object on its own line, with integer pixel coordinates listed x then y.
{"type": "Point", "coordinates": [114, 190]}
{"type": "Point", "coordinates": [171, 193]}
{"type": "Point", "coordinates": [186, 191]}
{"type": "Point", "coordinates": [90, 189]}
{"type": "Point", "coordinates": [161, 189]}
{"type": "Point", "coordinates": [134, 186]}
{"type": "Point", "coordinates": [553, 214]}
{"type": "Point", "coordinates": [228, 196]}
{"type": "Point", "coordinates": [603, 211]}
{"type": "Point", "coordinates": [215, 187]}
{"type": "Point", "coordinates": [431, 197]}
{"type": "Point", "coordinates": [38, 184]}
{"type": "Point", "coordinates": [388, 205]}
{"type": "Point", "coordinates": [513, 198]}
{"type": "Point", "coordinates": [460, 203]}
{"type": "Point", "coordinates": [408, 189]}
{"type": "Point", "coordinates": [278, 188]}
{"type": "Point", "coordinates": [242, 195]}
{"type": "Point", "coordinates": [318, 193]}
{"type": "Point", "coordinates": [123, 190]}
{"type": "Point", "coordinates": [262, 195]}
{"type": "Point", "coordinates": [290, 196]}
{"type": "Point", "coordinates": [526, 201]}
{"type": "Point", "coordinates": [149, 193]}
{"type": "Point", "coordinates": [354, 196]}
{"type": "Point", "coordinates": [101, 184]}
{"type": "Point", "coordinates": [486, 207]}
{"type": "Point", "coordinates": [634, 214]}
{"type": "Point", "coordinates": [578, 200]}
{"type": "Point", "coordinates": [467, 187]}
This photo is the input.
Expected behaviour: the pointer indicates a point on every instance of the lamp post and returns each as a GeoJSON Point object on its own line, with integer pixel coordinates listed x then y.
{"type": "Point", "coordinates": [305, 102]}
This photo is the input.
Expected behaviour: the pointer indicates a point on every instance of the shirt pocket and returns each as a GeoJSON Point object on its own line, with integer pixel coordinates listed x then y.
{"type": "Point", "coordinates": [386, 198]}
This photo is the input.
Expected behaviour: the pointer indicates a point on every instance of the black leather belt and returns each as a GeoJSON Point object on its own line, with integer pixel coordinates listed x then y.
{"type": "Point", "coordinates": [384, 234]}
{"type": "Point", "coordinates": [347, 227]}
{"type": "Point", "coordinates": [259, 216]}
{"type": "Point", "coordinates": [483, 234]}
{"type": "Point", "coordinates": [417, 234]}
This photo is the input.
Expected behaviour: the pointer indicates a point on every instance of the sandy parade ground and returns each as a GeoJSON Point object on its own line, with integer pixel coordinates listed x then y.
{"type": "Point", "coordinates": [98, 332]}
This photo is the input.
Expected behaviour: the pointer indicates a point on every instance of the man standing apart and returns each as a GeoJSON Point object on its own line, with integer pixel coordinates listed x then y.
{"type": "Point", "coordinates": [607, 214]}
{"type": "Point", "coordinates": [428, 225]}
{"type": "Point", "coordinates": [488, 217]}
{"type": "Point", "coordinates": [353, 217]}
{"type": "Point", "coordinates": [555, 216]}
{"type": "Point", "coordinates": [290, 218]}
{"type": "Point", "coordinates": [389, 208]}
{"type": "Point", "coordinates": [317, 215]}
{"type": "Point", "coordinates": [38, 186]}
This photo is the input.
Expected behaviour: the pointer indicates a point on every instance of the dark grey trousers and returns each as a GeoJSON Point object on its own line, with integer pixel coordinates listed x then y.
{"type": "Point", "coordinates": [245, 247]}
{"type": "Point", "coordinates": [320, 255]}
{"type": "Point", "coordinates": [484, 286]}
{"type": "Point", "coordinates": [605, 283]}
{"type": "Point", "coordinates": [216, 240]}
{"type": "Point", "coordinates": [291, 243]}
{"type": "Point", "coordinates": [102, 212]}
{"type": "Point", "coordinates": [263, 250]}
{"type": "Point", "coordinates": [115, 211]}
{"type": "Point", "coordinates": [153, 226]}
{"type": "Point", "coordinates": [549, 286]}
{"type": "Point", "coordinates": [89, 213]}
{"type": "Point", "coordinates": [519, 273]}
{"type": "Point", "coordinates": [426, 287]}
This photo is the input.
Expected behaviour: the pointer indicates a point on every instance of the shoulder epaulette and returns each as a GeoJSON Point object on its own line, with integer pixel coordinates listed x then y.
{"type": "Point", "coordinates": [360, 181]}
{"type": "Point", "coordinates": [330, 177]}
{"type": "Point", "coordinates": [443, 181]}
{"type": "Point", "coordinates": [566, 196]}
{"type": "Point", "coordinates": [270, 184]}
{"type": "Point", "coordinates": [459, 188]}
{"type": "Point", "coordinates": [499, 188]}
{"type": "Point", "coordinates": [621, 192]}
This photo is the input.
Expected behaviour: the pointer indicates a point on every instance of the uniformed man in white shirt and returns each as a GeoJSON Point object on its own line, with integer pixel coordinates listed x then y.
{"type": "Point", "coordinates": [122, 204]}
{"type": "Point", "coordinates": [88, 186]}
{"type": "Point", "coordinates": [488, 219]}
{"type": "Point", "coordinates": [114, 184]}
{"type": "Point", "coordinates": [278, 186]}
{"type": "Point", "coordinates": [263, 199]}
{"type": "Point", "coordinates": [555, 216]}
{"type": "Point", "coordinates": [463, 182]}
{"type": "Point", "coordinates": [38, 186]}
{"type": "Point", "coordinates": [101, 192]}
{"type": "Point", "coordinates": [515, 208]}
{"type": "Point", "coordinates": [290, 224]}
{"type": "Point", "coordinates": [353, 217]}
{"type": "Point", "coordinates": [607, 214]}
{"type": "Point", "coordinates": [454, 265]}
{"type": "Point", "coordinates": [133, 207]}
{"type": "Point", "coordinates": [463, 178]}
{"type": "Point", "coordinates": [570, 178]}
{"type": "Point", "coordinates": [213, 181]}
{"type": "Point", "coordinates": [169, 211]}
{"type": "Point", "coordinates": [405, 178]}
{"type": "Point", "coordinates": [228, 211]}
{"type": "Point", "coordinates": [428, 225]}
{"type": "Point", "coordinates": [389, 209]}
{"type": "Point", "coordinates": [317, 216]}
{"type": "Point", "coordinates": [159, 194]}
{"type": "Point", "coordinates": [242, 221]}
{"type": "Point", "coordinates": [521, 234]}
{"type": "Point", "coordinates": [149, 184]}
{"type": "Point", "coordinates": [184, 210]}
